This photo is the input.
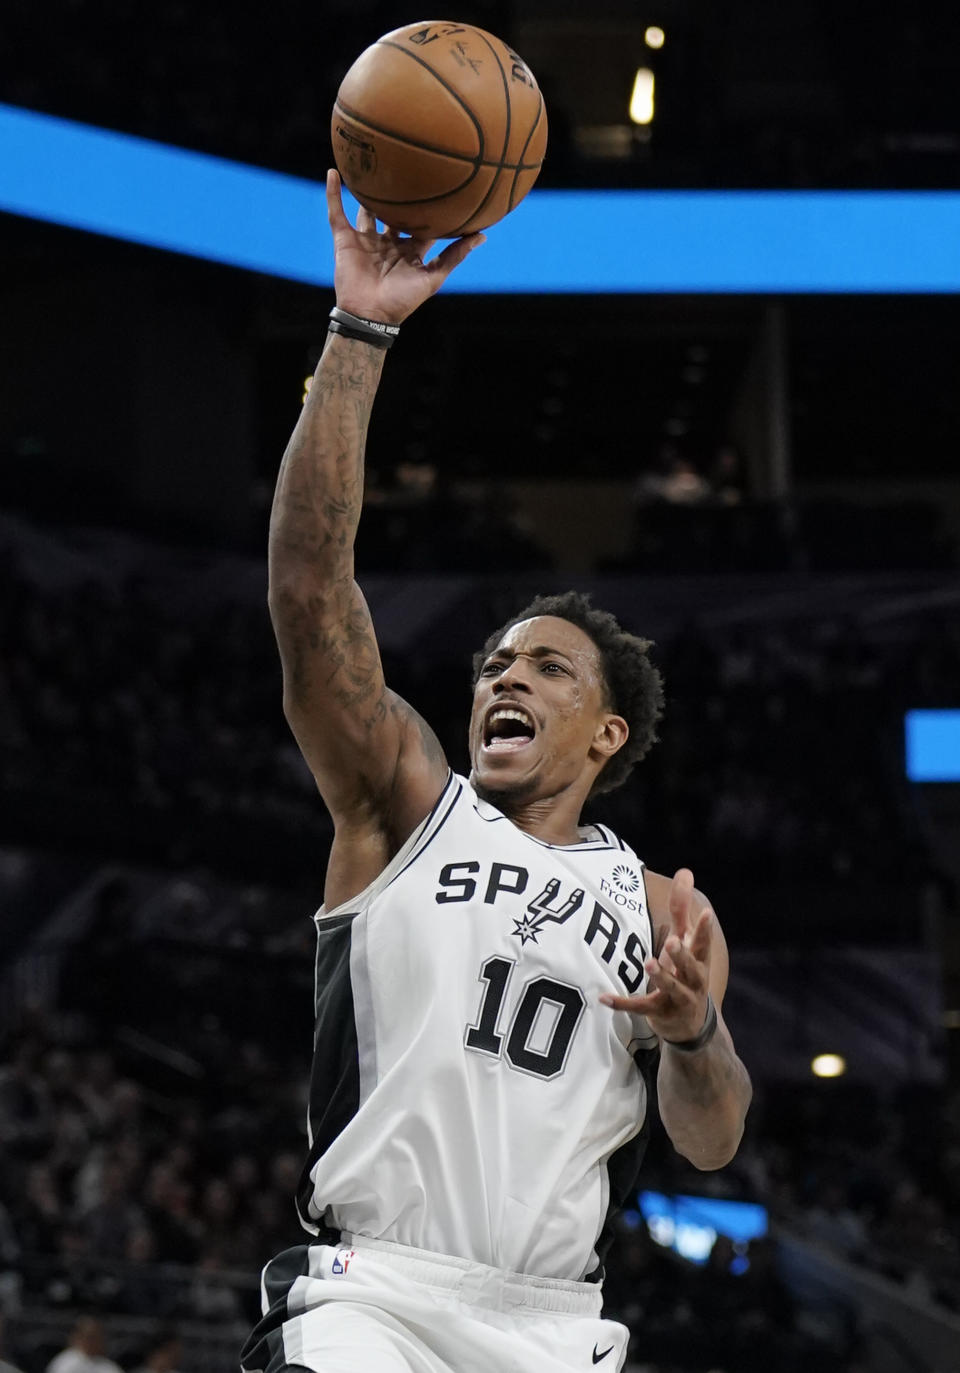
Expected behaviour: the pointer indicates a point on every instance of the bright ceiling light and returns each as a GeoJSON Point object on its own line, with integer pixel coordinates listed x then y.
{"type": "Point", "coordinates": [641, 101]}
{"type": "Point", "coordinates": [654, 36]}
{"type": "Point", "coordinates": [829, 1065]}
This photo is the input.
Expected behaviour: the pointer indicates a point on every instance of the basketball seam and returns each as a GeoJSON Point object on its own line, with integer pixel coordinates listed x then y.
{"type": "Point", "coordinates": [446, 86]}
{"type": "Point", "coordinates": [412, 143]}
{"type": "Point", "coordinates": [475, 162]}
{"type": "Point", "coordinates": [442, 195]}
{"type": "Point", "coordinates": [516, 175]}
{"type": "Point", "coordinates": [506, 133]}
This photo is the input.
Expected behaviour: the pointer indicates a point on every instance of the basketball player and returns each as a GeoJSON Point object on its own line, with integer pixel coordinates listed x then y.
{"type": "Point", "coordinates": [496, 984]}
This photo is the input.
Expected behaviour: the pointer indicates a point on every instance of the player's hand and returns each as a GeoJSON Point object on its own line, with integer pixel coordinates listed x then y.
{"type": "Point", "coordinates": [678, 980]}
{"type": "Point", "coordinates": [383, 276]}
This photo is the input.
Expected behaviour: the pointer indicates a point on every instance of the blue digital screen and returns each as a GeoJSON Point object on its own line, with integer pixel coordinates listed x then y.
{"type": "Point", "coordinates": [690, 1225]}
{"type": "Point", "coordinates": [932, 740]}
{"type": "Point", "coordinates": [556, 241]}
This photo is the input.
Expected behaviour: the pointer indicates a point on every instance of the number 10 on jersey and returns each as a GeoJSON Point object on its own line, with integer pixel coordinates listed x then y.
{"type": "Point", "coordinates": [533, 1043]}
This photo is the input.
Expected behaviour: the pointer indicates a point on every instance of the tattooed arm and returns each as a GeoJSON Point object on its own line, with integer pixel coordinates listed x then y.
{"type": "Point", "coordinates": [378, 766]}
{"type": "Point", "coordinates": [703, 1095]}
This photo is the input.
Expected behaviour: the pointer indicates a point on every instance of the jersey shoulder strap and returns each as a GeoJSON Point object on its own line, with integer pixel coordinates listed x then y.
{"type": "Point", "coordinates": [408, 853]}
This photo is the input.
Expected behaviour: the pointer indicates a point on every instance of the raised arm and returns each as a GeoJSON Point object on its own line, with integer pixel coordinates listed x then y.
{"type": "Point", "coordinates": [378, 766]}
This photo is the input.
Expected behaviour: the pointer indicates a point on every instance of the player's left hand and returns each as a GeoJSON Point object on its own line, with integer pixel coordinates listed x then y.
{"type": "Point", "coordinates": [678, 979]}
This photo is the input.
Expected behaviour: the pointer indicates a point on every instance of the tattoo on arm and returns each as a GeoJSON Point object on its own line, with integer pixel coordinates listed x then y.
{"type": "Point", "coordinates": [352, 730]}
{"type": "Point", "coordinates": [319, 492]}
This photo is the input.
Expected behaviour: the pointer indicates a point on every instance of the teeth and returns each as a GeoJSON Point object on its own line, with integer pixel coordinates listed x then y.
{"type": "Point", "coordinates": [507, 713]}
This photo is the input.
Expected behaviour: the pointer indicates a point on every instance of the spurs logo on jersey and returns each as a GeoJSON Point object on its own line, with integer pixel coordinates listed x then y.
{"type": "Point", "coordinates": [539, 911]}
{"type": "Point", "coordinates": [495, 1109]}
{"type": "Point", "coordinates": [459, 882]}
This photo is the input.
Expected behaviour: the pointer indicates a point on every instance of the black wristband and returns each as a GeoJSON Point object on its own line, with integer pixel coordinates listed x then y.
{"type": "Point", "coordinates": [700, 1041]}
{"type": "Point", "coordinates": [373, 331]}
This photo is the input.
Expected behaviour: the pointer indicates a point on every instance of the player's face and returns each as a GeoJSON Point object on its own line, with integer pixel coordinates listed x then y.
{"type": "Point", "coordinates": [538, 707]}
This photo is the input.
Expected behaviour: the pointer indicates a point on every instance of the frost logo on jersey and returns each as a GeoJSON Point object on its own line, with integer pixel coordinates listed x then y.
{"type": "Point", "coordinates": [624, 882]}
{"type": "Point", "coordinates": [341, 1262]}
{"type": "Point", "coordinates": [625, 878]}
{"type": "Point", "coordinates": [541, 911]}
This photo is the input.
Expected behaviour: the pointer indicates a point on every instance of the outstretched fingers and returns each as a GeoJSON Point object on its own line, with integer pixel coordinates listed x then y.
{"type": "Point", "coordinates": [453, 254]}
{"type": "Point", "coordinates": [335, 211]}
{"type": "Point", "coordinates": [636, 1005]}
{"type": "Point", "coordinates": [366, 222]}
{"type": "Point", "coordinates": [699, 943]}
{"type": "Point", "coordinates": [688, 959]}
{"type": "Point", "coordinates": [681, 899]}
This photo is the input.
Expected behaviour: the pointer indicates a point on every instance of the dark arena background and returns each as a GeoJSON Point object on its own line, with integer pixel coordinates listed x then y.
{"type": "Point", "coordinates": [756, 468]}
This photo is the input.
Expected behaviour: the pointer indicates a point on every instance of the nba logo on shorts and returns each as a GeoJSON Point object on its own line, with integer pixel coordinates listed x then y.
{"type": "Point", "coordinates": [341, 1261]}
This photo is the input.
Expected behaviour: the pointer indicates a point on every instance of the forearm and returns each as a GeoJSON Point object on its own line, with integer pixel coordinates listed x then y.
{"type": "Point", "coordinates": [703, 1099]}
{"type": "Point", "coordinates": [319, 493]}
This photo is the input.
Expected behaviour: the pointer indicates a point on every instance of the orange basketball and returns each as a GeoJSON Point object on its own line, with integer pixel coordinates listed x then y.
{"type": "Point", "coordinates": [439, 129]}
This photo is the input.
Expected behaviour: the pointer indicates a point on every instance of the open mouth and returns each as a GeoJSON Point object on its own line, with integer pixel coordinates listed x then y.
{"type": "Point", "coordinates": [507, 728]}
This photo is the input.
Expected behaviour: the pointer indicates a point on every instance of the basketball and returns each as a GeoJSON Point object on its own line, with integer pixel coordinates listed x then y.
{"type": "Point", "coordinates": [439, 129]}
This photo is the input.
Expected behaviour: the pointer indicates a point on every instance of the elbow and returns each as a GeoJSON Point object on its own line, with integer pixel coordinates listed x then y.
{"type": "Point", "coordinates": [710, 1139]}
{"type": "Point", "coordinates": [707, 1156]}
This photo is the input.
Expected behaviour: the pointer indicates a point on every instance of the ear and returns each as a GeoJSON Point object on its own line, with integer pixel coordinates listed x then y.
{"type": "Point", "coordinates": [612, 733]}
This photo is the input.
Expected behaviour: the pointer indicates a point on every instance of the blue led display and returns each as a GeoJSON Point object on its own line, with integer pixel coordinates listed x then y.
{"type": "Point", "coordinates": [932, 745]}
{"type": "Point", "coordinates": [690, 1225]}
{"type": "Point", "coordinates": [556, 241]}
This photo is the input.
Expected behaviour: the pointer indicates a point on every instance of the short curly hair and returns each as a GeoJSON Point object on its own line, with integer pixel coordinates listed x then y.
{"type": "Point", "coordinates": [634, 687]}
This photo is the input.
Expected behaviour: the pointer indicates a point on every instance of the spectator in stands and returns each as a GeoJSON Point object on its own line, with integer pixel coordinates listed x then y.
{"type": "Point", "coordinates": [113, 1218]}
{"type": "Point", "coordinates": [38, 1209]}
{"type": "Point", "coordinates": [210, 1298]}
{"type": "Point", "coordinates": [84, 1352]}
{"type": "Point", "coordinates": [673, 479]}
{"type": "Point", "coordinates": [168, 1199]}
{"type": "Point", "coordinates": [26, 1117]}
{"type": "Point", "coordinates": [143, 1291]}
{"type": "Point", "coordinates": [10, 1256]}
{"type": "Point", "coordinates": [727, 476]}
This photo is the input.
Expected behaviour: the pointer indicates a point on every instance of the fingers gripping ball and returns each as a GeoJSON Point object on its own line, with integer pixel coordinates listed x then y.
{"type": "Point", "coordinates": [439, 129]}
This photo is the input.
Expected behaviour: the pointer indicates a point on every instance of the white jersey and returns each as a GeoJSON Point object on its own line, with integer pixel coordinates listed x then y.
{"type": "Point", "coordinates": [470, 1095]}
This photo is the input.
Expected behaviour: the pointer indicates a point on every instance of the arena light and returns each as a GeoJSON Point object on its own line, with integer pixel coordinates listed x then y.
{"type": "Point", "coordinates": [654, 36]}
{"type": "Point", "coordinates": [932, 741]}
{"type": "Point", "coordinates": [641, 98]}
{"type": "Point", "coordinates": [829, 1065]}
{"type": "Point", "coordinates": [556, 241]}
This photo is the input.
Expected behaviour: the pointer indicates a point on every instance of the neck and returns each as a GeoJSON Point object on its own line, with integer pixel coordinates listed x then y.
{"type": "Point", "coordinates": [554, 819]}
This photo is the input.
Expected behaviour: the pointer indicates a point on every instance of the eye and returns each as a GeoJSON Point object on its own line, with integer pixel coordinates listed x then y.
{"type": "Point", "coordinates": [490, 669]}
{"type": "Point", "coordinates": [554, 668]}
